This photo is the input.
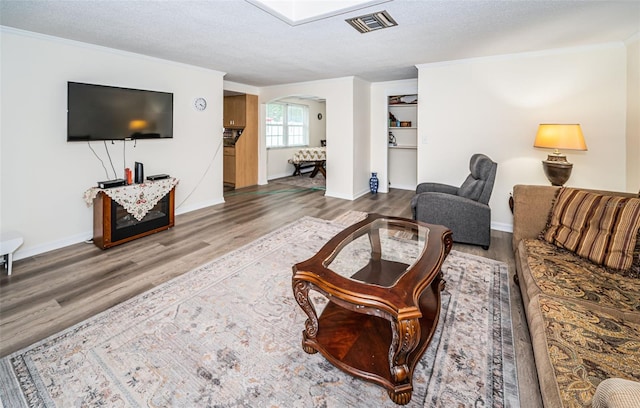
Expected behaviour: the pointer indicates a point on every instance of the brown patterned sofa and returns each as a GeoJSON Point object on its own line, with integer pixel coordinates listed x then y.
{"type": "Point", "coordinates": [583, 315]}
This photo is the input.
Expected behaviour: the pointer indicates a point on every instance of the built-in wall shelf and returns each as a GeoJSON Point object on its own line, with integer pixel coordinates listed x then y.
{"type": "Point", "coordinates": [403, 140]}
{"type": "Point", "coordinates": [403, 147]}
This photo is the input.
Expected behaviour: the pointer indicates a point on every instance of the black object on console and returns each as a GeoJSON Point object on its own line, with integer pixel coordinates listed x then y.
{"type": "Point", "coordinates": [139, 173]}
{"type": "Point", "coordinates": [158, 177]}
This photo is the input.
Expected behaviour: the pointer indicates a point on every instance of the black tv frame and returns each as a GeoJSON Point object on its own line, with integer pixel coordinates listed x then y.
{"type": "Point", "coordinates": [150, 107]}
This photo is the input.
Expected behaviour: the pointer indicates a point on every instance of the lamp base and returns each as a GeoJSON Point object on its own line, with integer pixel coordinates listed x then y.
{"type": "Point", "coordinates": [557, 157]}
{"type": "Point", "coordinates": [558, 172]}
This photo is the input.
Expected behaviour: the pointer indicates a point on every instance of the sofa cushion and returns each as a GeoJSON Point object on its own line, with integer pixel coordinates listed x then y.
{"type": "Point", "coordinates": [601, 228]}
{"type": "Point", "coordinates": [554, 271]}
{"type": "Point", "coordinates": [617, 393]}
{"type": "Point", "coordinates": [577, 346]}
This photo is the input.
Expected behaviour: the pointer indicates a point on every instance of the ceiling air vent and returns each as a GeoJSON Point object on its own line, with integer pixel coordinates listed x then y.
{"type": "Point", "coordinates": [372, 22]}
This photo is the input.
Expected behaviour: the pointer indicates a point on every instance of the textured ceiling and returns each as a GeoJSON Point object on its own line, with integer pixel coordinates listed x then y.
{"type": "Point", "coordinates": [255, 48]}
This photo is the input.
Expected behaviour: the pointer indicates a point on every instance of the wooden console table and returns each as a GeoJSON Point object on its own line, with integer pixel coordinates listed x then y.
{"type": "Point", "coordinates": [122, 214]}
{"type": "Point", "coordinates": [382, 280]}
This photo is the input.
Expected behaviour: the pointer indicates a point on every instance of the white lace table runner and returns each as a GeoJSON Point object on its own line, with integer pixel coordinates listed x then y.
{"type": "Point", "coordinates": [137, 199]}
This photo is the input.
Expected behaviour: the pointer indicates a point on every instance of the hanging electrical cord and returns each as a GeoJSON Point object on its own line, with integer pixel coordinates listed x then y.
{"type": "Point", "coordinates": [98, 157]}
{"type": "Point", "coordinates": [213, 159]}
{"type": "Point", "coordinates": [115, 175]}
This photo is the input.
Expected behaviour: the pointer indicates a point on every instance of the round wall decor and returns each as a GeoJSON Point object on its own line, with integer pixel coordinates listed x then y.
{"type": "Point", "coordinates": [200, 104]}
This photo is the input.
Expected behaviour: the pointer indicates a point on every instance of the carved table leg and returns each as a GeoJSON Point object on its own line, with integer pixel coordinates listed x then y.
{"type": "Point", "coordinates": [442, 283]}
{"type": "Point", "coordinates": [405, 338]}
{"type": "Point", "coordinates": [400, 398]}
{"type": "Point", "coordinates": [301, 293]}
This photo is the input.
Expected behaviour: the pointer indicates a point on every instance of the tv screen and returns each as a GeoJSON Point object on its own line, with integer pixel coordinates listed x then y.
{"type": "Point", "coordinates": [98, 112]}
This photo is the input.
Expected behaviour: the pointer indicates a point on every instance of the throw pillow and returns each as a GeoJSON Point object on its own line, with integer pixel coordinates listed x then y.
{"type": "Point", "coordinates": [601, 228]}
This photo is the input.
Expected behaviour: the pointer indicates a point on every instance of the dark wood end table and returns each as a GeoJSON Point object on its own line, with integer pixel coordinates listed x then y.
{"type": "Point", "coordinates": [382, 280]}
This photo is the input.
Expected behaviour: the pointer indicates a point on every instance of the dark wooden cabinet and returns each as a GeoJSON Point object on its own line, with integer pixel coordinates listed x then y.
{"type": "Point", "coordinates": [113, 225]}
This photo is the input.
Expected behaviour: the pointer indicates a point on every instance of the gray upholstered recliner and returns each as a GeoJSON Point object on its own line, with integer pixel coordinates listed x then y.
{"type": "Point", "coordinates": [465, 209]}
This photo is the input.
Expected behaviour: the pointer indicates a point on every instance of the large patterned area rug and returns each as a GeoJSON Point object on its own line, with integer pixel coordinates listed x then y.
{"type": "Point", "coordinates": [303, 181]}
{"type": "Point", "coordinates": [228, 334]}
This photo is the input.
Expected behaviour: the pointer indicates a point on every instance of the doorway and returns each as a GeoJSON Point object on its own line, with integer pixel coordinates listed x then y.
{"type": "Point", "coordinates": [295, 126]}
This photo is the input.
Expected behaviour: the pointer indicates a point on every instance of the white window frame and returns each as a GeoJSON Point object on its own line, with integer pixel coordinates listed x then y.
{"type": "Point", "coordinates": [284, 135]}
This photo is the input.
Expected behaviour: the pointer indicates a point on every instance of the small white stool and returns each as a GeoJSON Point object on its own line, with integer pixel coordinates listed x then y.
{"type": "Point", "coordinates": [9, 242]}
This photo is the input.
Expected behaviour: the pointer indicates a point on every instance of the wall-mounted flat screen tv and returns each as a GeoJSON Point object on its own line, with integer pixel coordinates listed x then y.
{"type": "Point", "coordinates": [98, 112]}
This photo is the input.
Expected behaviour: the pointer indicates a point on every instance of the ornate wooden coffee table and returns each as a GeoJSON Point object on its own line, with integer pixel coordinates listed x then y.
{"type": "Point", "coordinates": [382, 280]}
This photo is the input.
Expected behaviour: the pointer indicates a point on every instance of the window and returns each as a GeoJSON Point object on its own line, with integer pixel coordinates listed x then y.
{"type": "Point", "coordinates": [287, 125]}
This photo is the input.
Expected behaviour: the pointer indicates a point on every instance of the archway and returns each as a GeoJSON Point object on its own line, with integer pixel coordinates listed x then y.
{"type": "Point", "coordinates": [279, 151]}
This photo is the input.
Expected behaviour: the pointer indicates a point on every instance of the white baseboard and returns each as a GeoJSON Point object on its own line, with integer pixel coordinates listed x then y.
{"type": "Point", "coordinates": [367, 192]}
{"type": "Point", "coordinates": [334, 195]}
{"type": "Point", "coordinates": [198, 206]}
{"type": "Point", "coordinates": [51, 246]}
{"type": "Point", "coordinates": [280, 175]}
{"type": "Point", "coordinates": [501, 226]}
{"type": "Point", "coordinates": [403, 187]}
{"type": "Point", "coordinates": [82, 237]}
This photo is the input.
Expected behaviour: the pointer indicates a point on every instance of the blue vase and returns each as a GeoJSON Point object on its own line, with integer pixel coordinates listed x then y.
{"type": "Point", "coordinates": [373, 183]}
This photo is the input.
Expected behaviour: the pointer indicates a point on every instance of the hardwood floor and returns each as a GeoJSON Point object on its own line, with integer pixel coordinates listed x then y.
{"type": "Point", "coordinates": [52, 291]}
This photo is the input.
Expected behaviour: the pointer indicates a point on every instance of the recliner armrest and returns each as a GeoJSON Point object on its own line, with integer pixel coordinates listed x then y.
{"type": "Point", "coordinates": [436, 188]}
{"type": "Point", "coordinates": [448, 204]}
{"type": "Point", "coordinates": [441, 200]}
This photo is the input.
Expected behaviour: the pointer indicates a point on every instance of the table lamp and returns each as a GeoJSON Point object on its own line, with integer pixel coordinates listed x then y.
{"type": "Point", "coordinates": [559, 136]}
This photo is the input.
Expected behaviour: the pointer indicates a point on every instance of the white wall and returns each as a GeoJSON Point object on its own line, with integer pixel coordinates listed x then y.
{"type": "Point", "coordinates": [361, 137]}
{"type": "Point", "coordinates": [240, 88]}
{"type": "Point", "coordinates": [494, 105]}
{"type": "Point", "coordinates": [43, 177]}
{"type": "Point", "coordinates": [380, 92]}
{"type": "Point", "coordinates": [633, 114]}
{"type": "Point", "coordinates": [317, 127]}
{"type": "Point", "coordinates": [339, 103]}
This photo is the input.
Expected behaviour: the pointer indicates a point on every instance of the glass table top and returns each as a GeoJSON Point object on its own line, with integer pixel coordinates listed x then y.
{"type": "Point", "coordinates": [380, 252]}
